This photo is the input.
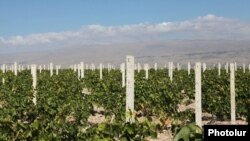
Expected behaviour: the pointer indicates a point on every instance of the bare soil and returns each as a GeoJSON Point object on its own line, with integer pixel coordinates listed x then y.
{"type": "Point", "coordinates": [166, 135]}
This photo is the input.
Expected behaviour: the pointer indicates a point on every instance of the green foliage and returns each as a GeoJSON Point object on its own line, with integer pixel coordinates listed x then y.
{"type": "Point", "coordinates": [60, 111]}
{"type": "Point", "coordinates": [63, 109]}
{"type": "Point", "coordinates": [137, 131]}
{"type": "Point", "coordinates": [190, 132]}
{"type": "Point", "coordinates": [216, 93]}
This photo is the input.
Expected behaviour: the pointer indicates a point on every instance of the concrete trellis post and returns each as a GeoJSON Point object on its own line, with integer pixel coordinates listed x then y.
{"type": "Point", "coordinates": [138, 67]}
{"type": "Point", "coordinates": [130, 89]}
{"type": "Point", "coordinates": [135, 66]}
{"type": "Point", "coordinates": [12, 68]}
{"type": "Point", "coordinates": [232, 92]}
{"type": "Point", "coordinates": [109, 67]}
{"type": "Point", "coordinates": [101, 71]}
{"type": "Point", "coordinates": [235, 66]}
{"type": "Point", "coordinates": [244, 68]}
{"type": "Point", "coordinates": [170, 69]}
{"type": "Point", "coordinates": [156, 66]}
{"type": "Point", "coordinates": [82, 69]}
{"type": "Point", "coordinates": [219, 68]}
{"type": "Point", "coordinates": [87, 66]}
{"type": "Point", "coordinates": [204, 67]}
{"type": "Point", "coordinates": [78, 71]}
{"type": "Point", "coordinates": [189, 68]}
{"type": "Point", "coordinates": [57, 69]}
{"type": "Point", "coordinates": [40, 69]}
{"type": "Point", "coordinates": [226, 67]}
{"type": "Point", "coordinates": [3, 69]}
{"type": "Point", "coordinates": [19, 68]}
{"type": "Point", "coordinates": [15, 68]}
{"type": "Point", "coordinates": [34, 82]}
{"type": "Point", "coordinates": [92, 67]}
{"type": "Point", "coordinates": [178, 66]}
{"type": "Point", "coordinates": [74, 67]}
{"type": "Point", "coordinates": [51, 69]}
{"type": "Point", "coordinates": [123, 74]}
{"type": "Point", "coordinates": [198, 111]}
{"type": "Point", "coordinates": [146, 71]}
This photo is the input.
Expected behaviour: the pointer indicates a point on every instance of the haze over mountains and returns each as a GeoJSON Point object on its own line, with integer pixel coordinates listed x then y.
{"type": "Point", "coordinates": [181, 51]}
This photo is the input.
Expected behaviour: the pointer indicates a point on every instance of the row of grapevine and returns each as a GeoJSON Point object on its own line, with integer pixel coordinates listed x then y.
{"type": "Point", "coordinates": [62, 108]}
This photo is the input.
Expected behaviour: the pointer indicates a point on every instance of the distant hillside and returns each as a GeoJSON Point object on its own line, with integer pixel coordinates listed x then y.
{"type": "Point", "coordinates": [162, 52]}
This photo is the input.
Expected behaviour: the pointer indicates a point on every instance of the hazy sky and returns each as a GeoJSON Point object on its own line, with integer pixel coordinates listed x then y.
{"type": "Point", "coordinates": [57, 23]}
{"type": "Point", "coordinates": [24, 17]}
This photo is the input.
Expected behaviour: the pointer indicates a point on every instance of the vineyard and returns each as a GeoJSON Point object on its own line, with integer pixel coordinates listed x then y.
{"type": "Point", "coordinates": [65, 103]}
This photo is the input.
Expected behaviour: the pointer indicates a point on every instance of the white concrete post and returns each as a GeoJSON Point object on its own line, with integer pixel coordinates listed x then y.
{"type": "Point", "coordinates": [19, 68]}
{"type": "Point", "coordinates": [219, 67]}
{"type": "Point", "coordinates": [4, 70]}
{"type": "Point", "coordinates": [40, 69]}
{"type": "Point", "coordinates": [171, 71]}
{"type": "Point", "coordinates": [122, 67]}
{"type": "Point", "coordinates": [12, 68]}
{"type": "Point", "coordinates": [15, 68]}
{"type": "Point", "coordinates": [92, 67]}
{"type": "Point", "coordinates": [198, 110]}
{"type": "Point", "coordinates": [232, 92]}
{"type": "Point", "coordinates": [189, 68]}
{"type": "Point", "coordinates": [146, 70]}
{"type": "Point", "coordinates": [227, 67]}
{"type": "Point", "coordinates": [109, 67]}
{"type": "Point", "coordinates": [51, 69]}
{"type": "Point", "coordinates": [135, 67]}
{"type": "Point", "coordinates": [178, 66]}
{"type": "Point", "coordinates": [74, 67]}
{"type": "Point", "coordinates": [130, 89]}
{"type": "Point", "coordinates": [87, 66]}
{"type": "Point", "coordinates": [34, 82]}
{"type": "Point", "coordinates": [204, 67]}
{"type": "Point", "coordinates": [57, 69]}
{"type": "Point", "coordinates": [244, 68]}
{"type": "Point", "coordinates": [101, 71]}
{"type": "Point", "coordinates": [82, 69]}
{"type": "Point", "coordinates": [78, 71]}
{"type": "Point", "coordinates": [169, 66]}
{"type": "Point", "coordinates": [138, 67]}
{"type": "Point", "coordinates": [156, 66]}
{"type": "Point", "coordinates": [235, 66]}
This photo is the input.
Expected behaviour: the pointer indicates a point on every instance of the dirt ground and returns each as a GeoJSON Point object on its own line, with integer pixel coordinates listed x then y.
{"type": "Point", "coordinates": [166, 135]}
